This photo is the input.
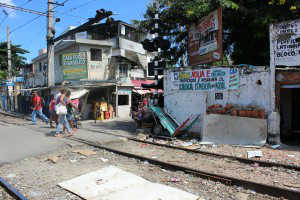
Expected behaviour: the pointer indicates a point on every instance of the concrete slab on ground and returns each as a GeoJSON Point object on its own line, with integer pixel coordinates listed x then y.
{"type": "Point", "coordinates": [112, 183]}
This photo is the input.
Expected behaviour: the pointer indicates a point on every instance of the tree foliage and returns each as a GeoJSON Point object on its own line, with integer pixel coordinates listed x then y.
{"type": "Point", "coordinates": [17, 58]}
{"type": "Point", "coordinates": [245, 25]}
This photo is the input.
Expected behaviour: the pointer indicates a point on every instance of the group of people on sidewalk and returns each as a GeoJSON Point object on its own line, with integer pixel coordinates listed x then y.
{"type": "Point", "coordinates": [61, 112]}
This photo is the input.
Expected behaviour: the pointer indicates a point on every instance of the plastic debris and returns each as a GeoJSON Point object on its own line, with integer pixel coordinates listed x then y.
{"type": "Point", "coordinates": [252, 154]}
{"type": "Point", "coordinates": [275, 146]}
{"type": "Point", "coordinates": [103, 159]}
{"type": "Point", "coordinates": [11, 176]}
{"type": "Point", "coordinates": [73, 161]}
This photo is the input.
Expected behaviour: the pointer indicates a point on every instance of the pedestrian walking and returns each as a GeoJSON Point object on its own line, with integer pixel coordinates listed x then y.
{"type": "Point", "coordinates": [70, 112]}
{"type": "Point", "coordinates": [37, 108]}
{"type": "Point", "coordinates": [52, 111]}
{"type": "Point", "coordinates": [61, 111]}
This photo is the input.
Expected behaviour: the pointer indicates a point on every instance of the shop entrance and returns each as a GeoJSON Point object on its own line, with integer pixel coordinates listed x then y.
{"type": "Point", "coordinates": [99, 101]}
{"type": "Point", "coordinates": [290, 114]}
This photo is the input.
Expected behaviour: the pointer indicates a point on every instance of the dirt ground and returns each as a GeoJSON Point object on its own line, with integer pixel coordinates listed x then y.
{"type": "Point", "coordinates": [37, 177]}
{"type": "Point", "coordinates": [272, 176]}
{"type": "Point", "coordinates": [285, 154]}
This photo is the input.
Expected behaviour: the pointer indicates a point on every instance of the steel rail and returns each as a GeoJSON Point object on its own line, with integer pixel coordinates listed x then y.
{"type": "Point", "coordinates": [258, 187]}
{"type": "Point", "coordinates": [242, 160]}
{"type": "Point", "coordinates": [11, 190]}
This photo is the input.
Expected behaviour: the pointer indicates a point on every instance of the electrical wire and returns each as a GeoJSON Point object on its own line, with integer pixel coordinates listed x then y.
{"type": "Point", "coordinates": [32, 20]}
{"type": "Point", "coordinates": [75, 16]}
{"type": "Point", "coordinates": [63, 13]}
{"type": "Point", "coordinates": [66, 13]}
{"type": "Point", "coordinates": [6, 15]}
{"type": "Point", "coordinates": [81, 5]}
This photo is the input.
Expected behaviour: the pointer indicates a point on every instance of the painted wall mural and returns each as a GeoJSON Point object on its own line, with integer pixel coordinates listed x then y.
{"type": "Point", "coordinates": [216, 79]}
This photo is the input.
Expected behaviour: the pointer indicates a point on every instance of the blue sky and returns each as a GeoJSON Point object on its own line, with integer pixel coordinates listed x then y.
{"type": "Point", "coordinates": [75, 12]}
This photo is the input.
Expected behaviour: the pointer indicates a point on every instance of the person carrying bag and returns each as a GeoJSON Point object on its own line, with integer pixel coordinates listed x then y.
{"type": "Point", "coordinates": [61, 111]}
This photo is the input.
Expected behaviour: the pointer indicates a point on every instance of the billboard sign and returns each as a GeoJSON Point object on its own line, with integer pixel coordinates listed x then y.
{"type": "Point", "coordinates": [205, 39]}
{"type": "Point", "coordinates": [74, 66]}
{"type": "Point", "coordinates": [215, 79]}
{"type": "Point", "coordinates": [285, 43]}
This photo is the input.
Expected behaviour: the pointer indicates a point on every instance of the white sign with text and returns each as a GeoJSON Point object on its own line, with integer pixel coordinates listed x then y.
{"type": "Point", "coordinates": [285, 43]}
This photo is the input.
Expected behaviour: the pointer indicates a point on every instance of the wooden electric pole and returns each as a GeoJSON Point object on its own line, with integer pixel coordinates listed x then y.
{"type": "Point", "coordinates": [50, 44]}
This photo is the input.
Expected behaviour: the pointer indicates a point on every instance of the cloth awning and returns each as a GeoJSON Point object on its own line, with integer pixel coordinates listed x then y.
{"type": "Point", "coordinates": [138, 83]}
{"type": "Point", "coordinates": [76, 94]}
{"type": "Point", "coordinates": [143, 92]}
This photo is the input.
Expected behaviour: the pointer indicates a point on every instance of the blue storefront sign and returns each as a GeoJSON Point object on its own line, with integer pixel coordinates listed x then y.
{"type": "Point", "coordinates": [19, 79]}
{"type": "Point", "coordinates": [7, 84]}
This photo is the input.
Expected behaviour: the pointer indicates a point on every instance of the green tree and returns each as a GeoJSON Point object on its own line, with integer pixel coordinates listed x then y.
{"type": "Point", "coordinates": [245, 25]}
{"type": "Point", "coordinates": [18, 60]}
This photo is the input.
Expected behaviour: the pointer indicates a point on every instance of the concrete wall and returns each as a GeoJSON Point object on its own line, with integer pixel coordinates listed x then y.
{"type": "Point", "coordinates": [106, 69]}
{"type": "Point", "coordinates": [98, 70]}
{"type": "Point", "coordinates": [40, 73]}
{"type": "Point", "coordinates": [181, 104]}
{"type": "Point", "coordinates": [57, 68]}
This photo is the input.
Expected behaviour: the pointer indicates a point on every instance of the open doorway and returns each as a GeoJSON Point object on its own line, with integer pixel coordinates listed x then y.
{"type": "Point", "coordinates": [290, 115]}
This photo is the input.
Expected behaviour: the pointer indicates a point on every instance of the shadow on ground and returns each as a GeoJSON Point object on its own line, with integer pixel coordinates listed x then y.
{"type": "Point", "coordinates": [127, 126]}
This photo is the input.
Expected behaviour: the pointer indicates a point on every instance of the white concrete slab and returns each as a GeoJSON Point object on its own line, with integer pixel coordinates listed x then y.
{"type": "Point", "coordinates": [112, 183]}
{"type": "Point", "coordinates": [225, 129]}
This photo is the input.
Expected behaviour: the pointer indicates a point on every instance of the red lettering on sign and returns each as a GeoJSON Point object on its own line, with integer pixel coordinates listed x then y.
{"type": "Point", "coordinates": [202, 74]}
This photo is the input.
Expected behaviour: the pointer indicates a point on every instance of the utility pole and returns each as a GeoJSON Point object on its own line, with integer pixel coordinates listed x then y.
{"type": "Point", "coordinates": [50, 44]}
{"type": "Point", "coordinates": [9, 87]}
{"type": "Point", "coordinates": [8, 53]}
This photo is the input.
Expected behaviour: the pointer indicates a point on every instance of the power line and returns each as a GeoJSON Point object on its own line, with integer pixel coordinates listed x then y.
{"type": "Point", "coordinates": [22, 9]}
{"type": "Point", "coordinates": [25, 24]}
{"type": "Point", "coordinates": [80, 6]}
{"type": "Point", "coordinates": [74, 8]}
{"type": "Point", "coordinates": [32, 20]}
{"type": "Point", "coordinates": [7, 13]}
{"type": "Point", "coordinates": [63, 13]}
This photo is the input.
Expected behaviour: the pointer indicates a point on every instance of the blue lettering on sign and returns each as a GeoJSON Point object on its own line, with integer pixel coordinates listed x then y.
{"type": "Point", "coordinates": [216, 73]}
{"type": "Point", "coordinates": [186, 86]}
{"type": "Point", "coordinates": [233, 71]}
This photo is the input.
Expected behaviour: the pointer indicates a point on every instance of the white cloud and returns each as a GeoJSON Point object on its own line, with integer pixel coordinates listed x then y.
{"type": "Point", "coordinates": [11, 12]}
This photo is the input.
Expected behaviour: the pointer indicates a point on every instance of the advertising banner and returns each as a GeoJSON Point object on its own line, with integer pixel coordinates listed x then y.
{"type": "Point", "coordinates": [285, 43]}
{"type": "Point", "coordinates": [74, 66]}
{"type": "Point", "coordinates": [205, 39]}
{"type": "Point", "coordinates": [215, 79]}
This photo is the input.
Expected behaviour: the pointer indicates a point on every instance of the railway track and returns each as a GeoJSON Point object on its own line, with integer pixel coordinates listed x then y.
{"type": "Point", "coordinates": [271, 190]}
{"type": "Point", "coordinates": [11, 190]}
{"type": "Point", "coordinates": [242, 160]}
{"type": "Point", "coordinates": [239, 159]}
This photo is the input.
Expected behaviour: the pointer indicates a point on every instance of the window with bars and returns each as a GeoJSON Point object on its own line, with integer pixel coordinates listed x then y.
{"type": "Point", "coordinates": [123, 70]}
{"type": "Point", "coordinates": [96, 54]}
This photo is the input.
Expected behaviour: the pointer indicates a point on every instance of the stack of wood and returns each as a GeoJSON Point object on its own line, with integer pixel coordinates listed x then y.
{"type": "Point", "coordinates": [249, 111]}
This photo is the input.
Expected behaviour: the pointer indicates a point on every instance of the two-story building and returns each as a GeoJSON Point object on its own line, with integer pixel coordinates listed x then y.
{"type": "Point", "coordinates": [102, 59]}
